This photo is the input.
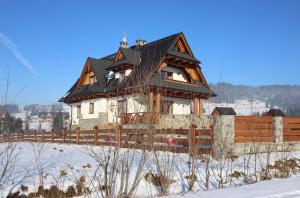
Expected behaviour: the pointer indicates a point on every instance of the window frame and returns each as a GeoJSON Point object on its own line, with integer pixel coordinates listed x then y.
{"type": "Point", "coordinates": [91, 108]}
{"type": "Point", "coordinates": [78, 111]}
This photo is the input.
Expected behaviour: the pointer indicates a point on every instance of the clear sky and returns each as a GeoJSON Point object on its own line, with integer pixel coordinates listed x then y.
{"type": "Point", "coordinates": [45, 43]}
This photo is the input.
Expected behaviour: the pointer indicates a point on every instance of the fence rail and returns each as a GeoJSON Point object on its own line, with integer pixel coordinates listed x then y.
{"type": "Point", "coordinates": [252, 129]}
{"type": "Point", "coordinates": [291, 129]}
{"type": "Point", "coordinates": [173, 140]}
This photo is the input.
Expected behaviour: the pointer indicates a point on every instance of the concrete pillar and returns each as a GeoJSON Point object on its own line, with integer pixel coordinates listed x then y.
{"type": "Point", "coordinates": [277, 129]}
{"type": "Point", "coordinates": [223, 136]}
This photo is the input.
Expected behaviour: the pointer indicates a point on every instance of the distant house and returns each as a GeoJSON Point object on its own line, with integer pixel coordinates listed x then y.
{"type": "Point", "coordinates": [139, 83]}
{"type": "Point", "coordinates": [275, 112]}
{"type": "Point", "coordinates": [219, 111]}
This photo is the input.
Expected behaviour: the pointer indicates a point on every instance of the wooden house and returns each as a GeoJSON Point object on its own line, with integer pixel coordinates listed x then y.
{"type": "Point", "coordinates": [139, 83]}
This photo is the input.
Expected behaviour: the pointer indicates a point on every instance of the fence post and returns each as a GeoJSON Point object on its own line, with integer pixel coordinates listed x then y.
{"type": "Point", "coordinates": [120, 131]}
{"type": "Point", "coordinates": [34, 135]}
{"type": "Point", "coordinates": [43, 133]}
{"type": "Point", "coordinates": [277, 129]}
{"type": "Point", "coordinates": [96, 135]}
{"type": "Point", "coordinates": [52, 135]}
{"type": "Point", "coordinates": [77, 135]}
{"type": "Point", "coordinates": [192, 138]}
{"type": "Point", "coordinates": [223, 136]}
{"type": "Point", "coordinates": [64, 135]}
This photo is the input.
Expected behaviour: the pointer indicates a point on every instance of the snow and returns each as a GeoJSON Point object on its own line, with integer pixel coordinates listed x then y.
{"type": "Point", "coordinates": [241, 107]}
{"type": "Point", "coordinates": [74, 159]}
{"type": "Point", "coordinates": [276, 188]}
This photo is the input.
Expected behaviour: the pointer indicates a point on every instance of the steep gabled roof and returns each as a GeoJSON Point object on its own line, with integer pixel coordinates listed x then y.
{"type": "Point", "coordinates": [225, 110]}
{"type": "Point", "coordinates": [145, 59]}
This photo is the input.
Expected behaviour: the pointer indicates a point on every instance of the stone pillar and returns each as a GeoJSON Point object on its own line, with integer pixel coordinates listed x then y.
{"type": "Point", "coordinates": [277, 129]}
{"type": "Point", "coordinates": [223, 136]}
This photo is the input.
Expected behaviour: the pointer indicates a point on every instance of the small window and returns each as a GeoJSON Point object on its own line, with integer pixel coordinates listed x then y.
{"type": "Point", "coordinates": [91, 109]}
{"type": "Point", "coordinates": [166, 74]}
{"type": "Point", "coordinates": [78, 111]}
{"type": "Point", "coordinates": [92, 79]}
{"type": "Point", "coordinates": [121, 107]}
{"type": "Point", "coordinates": [166, 107]}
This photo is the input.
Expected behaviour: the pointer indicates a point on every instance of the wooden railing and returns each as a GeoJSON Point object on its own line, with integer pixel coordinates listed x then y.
{"type": "Point", "coordinates": [139, 118]}
{"type": "Point", "coordinates": [173, 140]}
{"type": "Point", "coordinates": [252, 129]}
{"type": "Point", "coordinates": [291, 129]}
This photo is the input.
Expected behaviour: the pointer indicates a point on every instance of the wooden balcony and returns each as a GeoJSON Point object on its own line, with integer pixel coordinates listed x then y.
{"type": "Point", "coordinates": [139, 118]}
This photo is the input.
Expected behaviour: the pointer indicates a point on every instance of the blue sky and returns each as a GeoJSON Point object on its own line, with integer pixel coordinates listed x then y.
{"type": "Point", "coordinates": [240, 42]}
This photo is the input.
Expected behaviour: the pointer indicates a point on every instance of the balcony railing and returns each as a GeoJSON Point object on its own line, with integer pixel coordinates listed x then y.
{"type": "Point", "coordinates": [139, 118]}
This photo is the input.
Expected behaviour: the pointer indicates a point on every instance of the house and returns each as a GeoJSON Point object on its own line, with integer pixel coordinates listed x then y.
{"type": "Point", "coordinates": [220, 111]}
{"type": "Point", "coordinates": [138, 84]}
{"type": "Point", "coordinates": [275, 112]}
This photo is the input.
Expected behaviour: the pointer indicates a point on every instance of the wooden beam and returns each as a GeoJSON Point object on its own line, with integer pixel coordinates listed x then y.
{"type": "Point", "coordinates": [158, 102]}
{"type": "Point", "coordinates": [196, 105]}
{"type": "Point", "coordinates": [150, 101]}
{"type": "Point", "coordinates": [201, 111]}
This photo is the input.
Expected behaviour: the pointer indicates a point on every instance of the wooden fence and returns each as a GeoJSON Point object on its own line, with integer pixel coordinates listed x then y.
{"type": "Point", "coordinates": [252, 129]}
{"type": "Point", "coordinates": [291, 129]}
{"type": "Point", "coordinates": [173, 140]}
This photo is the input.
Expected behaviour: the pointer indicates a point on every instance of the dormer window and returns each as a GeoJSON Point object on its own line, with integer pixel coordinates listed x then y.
{"type": "Point", "coordinates": [166, 75]}
{"type": "Point", "coordinates": [121, 75]}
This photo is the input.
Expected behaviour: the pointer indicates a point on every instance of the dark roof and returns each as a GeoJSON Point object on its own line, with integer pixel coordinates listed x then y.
{"type": "Point", "coordinates": [275, 112]}
{"type": "Point", "coordinates": [145, 59]}
{"type": "Point", "coordinates": [225, 110]}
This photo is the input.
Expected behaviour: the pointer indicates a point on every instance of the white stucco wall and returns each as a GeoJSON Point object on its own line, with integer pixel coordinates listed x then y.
{"type": "Point", "coordinates": [180, 105]}
{"type": "Point", "coordinates": [178, 74]}
{"type": "Point", "coordinates": [135, 103]}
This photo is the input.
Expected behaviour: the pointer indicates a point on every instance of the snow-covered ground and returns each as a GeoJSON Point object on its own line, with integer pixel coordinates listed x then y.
{"type": "Point", "coordinates": [76, 160]}
{"type": "Point", "coordinates": [276, 188]}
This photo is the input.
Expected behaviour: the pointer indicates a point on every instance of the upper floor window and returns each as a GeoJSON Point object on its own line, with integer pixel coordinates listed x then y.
{"type": "Point", "coordinates": [121, 107]}
{"type": "Point", "coordinates": [92, 79]}
{"type": "Point", "coordinates": [91, 108]}
{"type": "Point", "coordinates": [166, 74]}
{"type": "Point", "coordinates": [78, 111]}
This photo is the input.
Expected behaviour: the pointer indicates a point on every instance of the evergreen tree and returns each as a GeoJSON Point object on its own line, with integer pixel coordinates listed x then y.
{"type": "Point", "coordinates": [58, 122]}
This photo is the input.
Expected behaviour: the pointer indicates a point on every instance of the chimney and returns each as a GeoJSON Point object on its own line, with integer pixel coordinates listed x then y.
{"type": "Point", "coordinates": [140, 42]}
{"type": "Point", "coordinates": [123, 43]}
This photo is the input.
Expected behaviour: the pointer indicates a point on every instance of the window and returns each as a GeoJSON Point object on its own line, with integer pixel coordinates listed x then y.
{"type": "Point", "coordinates": [121, 75]}
{"type": "Point", "coordinates": [92, 79]}
{"type": "Point", "coordinates": [91, 109]}
{"type": "Point", "coordinates": [166, 107]}
{"type": "Point", "coordinates": [78, 111]}
{"type": "Point", "coordinates": [166, 74]}
{"type": "Point", "coordinates": [121, 107]}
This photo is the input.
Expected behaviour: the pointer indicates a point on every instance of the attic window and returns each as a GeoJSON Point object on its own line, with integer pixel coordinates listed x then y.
{"type": "Point", "coordinates": [92, 79]}
{"type": "Point", "coordinates": [166, 75]}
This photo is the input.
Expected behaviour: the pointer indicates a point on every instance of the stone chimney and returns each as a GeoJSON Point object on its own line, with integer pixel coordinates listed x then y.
{"type": "Point", "coordinates": [123, 43]}
{"type": "Point", "coordinates": [140, 42]}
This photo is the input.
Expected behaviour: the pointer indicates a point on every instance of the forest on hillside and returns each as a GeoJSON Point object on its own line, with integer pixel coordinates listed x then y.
{"type": "Point", "coordinates": [286, 97]}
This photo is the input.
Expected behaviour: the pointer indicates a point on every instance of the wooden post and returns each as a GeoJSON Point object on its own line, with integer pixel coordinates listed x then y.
{"type": "Point", "coordinates": [77, 135]}
{"type": "Point", "coordinates": [43, 133]}
{"type": "Point", "coordinates": [157, 107]}
{"type": "Point", "coordinates": [34, 136]}
{"type": "Point", "coordinates": [196, 106]}
{"type": "Point", "coordinates": [96, 135]}
{"type": "Point", "coordinates": [192, 139]}
{"type": "Point", "coordinates": [64, 135]}
{"type": "Point", "coordinates": [201, 106]}
{"type": "Point", "coordinates": [151, 101]}
{"type": "Point", "coordinates": [52, 135]}
{"type": "Point", "coordinates": [120, 131]}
